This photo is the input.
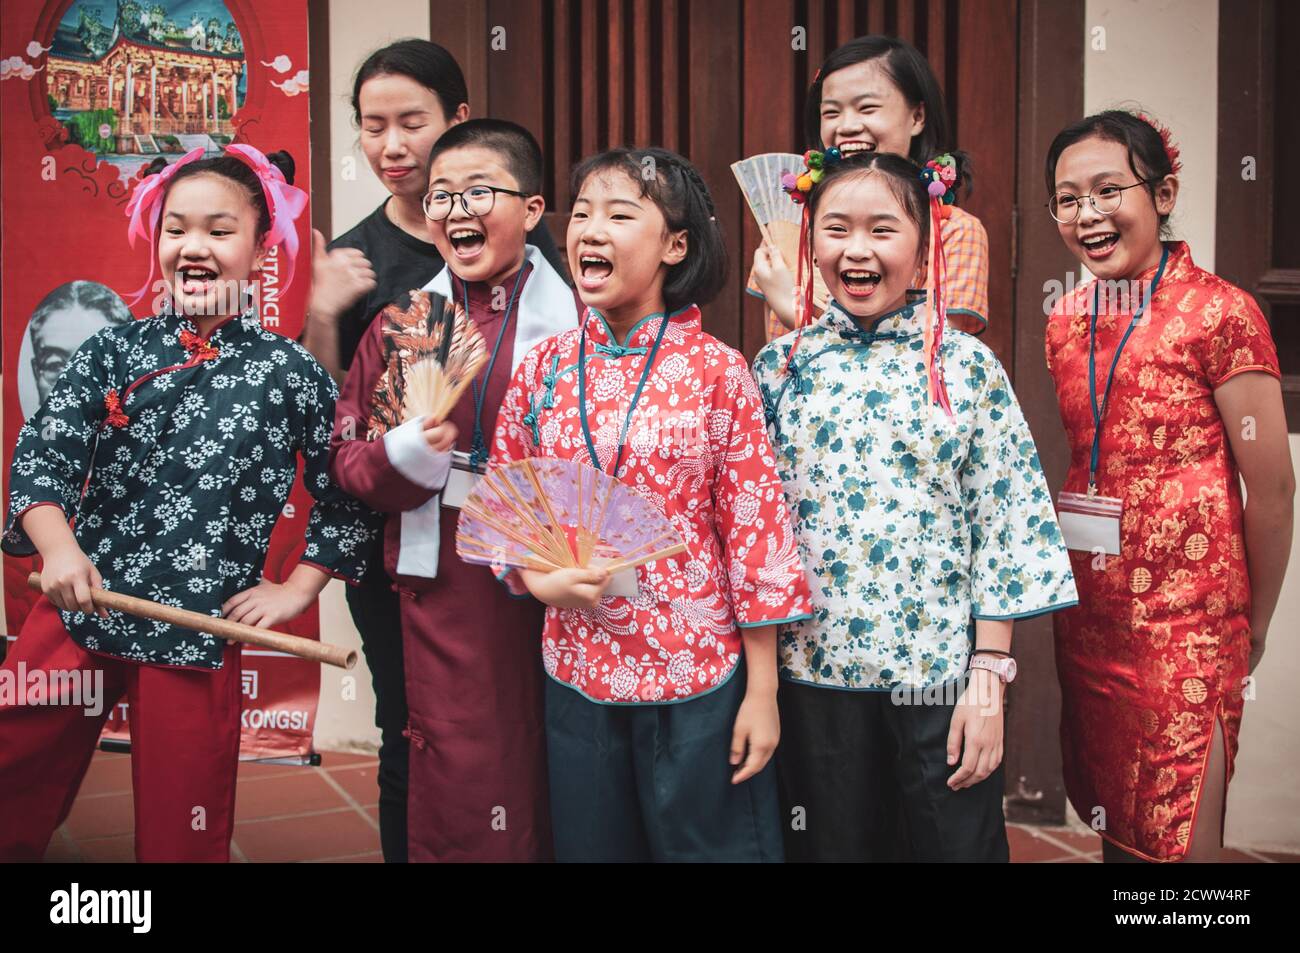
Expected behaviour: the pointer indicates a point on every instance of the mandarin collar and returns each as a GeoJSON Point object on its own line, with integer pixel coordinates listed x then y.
{"type": "Point", "coordinates": [249, 320]}
{"type": "Point", "coordinates": [1177, 267]}
{"type": "Point", "coordinates": [901, 322]}
{"type": "Point", "coordinates": [644, 332]}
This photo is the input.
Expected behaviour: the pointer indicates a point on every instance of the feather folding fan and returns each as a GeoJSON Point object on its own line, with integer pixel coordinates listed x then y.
{"type": "Point", "coordinates": [546, 514]}
{"type": "Point", "coordinates": [435, 381]}
{"type": "Point", "coordinates": [777, 216]}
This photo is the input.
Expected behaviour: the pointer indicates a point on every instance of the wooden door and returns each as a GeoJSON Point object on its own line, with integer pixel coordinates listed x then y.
{"type": "Point", "coordinates": [720, 79]}
{"type": "Point", "coordinates": [1259, 141]}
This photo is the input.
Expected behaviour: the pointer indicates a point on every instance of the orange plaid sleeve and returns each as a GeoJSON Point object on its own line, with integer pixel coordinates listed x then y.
{"type": "Point", "coordinates": [774, 326]}
{"type": "Point", "coordinates": [966, 255]}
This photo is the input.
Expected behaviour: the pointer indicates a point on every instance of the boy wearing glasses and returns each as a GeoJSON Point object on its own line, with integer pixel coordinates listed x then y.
{"type": "Point", "coordinates": [473, 685]}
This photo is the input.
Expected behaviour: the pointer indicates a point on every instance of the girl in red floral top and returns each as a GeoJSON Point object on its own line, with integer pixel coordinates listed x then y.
{"type": "Point", "coordinates": [661, 702]}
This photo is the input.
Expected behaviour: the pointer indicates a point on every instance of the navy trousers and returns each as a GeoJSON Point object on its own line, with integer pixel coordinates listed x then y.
{"type": "Point", "coordinates": [643, 782]}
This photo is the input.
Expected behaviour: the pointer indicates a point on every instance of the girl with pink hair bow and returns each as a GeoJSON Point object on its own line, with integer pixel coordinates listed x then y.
{"type": "Point", "coordinates": [174, 441]}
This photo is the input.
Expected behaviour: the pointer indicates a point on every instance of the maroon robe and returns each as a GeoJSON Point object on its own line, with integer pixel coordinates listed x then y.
{"type": "Point", "coordinates": [478, 785]}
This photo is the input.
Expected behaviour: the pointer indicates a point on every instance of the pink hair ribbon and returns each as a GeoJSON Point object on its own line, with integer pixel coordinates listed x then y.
{"type": "Point", "coordinates": [145, 210]}
{"type": "Point", "coordinates": [286, 202]}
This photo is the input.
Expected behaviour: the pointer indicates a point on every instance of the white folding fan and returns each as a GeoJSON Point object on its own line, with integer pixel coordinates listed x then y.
{"type": "Point", "coordinates": [778, 215]}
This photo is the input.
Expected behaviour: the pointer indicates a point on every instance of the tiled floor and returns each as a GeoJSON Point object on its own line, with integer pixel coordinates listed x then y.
{"type": "Point", "coordinates": [282, 813]}
{"type": "Point", "coordinates": [330, 814]}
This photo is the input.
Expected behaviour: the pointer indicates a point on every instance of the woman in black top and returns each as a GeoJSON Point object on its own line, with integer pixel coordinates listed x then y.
{"type": "Point", "coordinates": [403, 98]}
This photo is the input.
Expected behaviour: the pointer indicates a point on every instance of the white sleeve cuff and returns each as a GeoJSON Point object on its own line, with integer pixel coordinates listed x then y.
{"type": "Point", "coordinates": [412, 457]}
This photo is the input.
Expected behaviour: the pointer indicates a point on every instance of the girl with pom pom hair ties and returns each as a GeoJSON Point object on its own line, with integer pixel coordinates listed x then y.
{"type": "Point", "coordinates": [926, 526]}
{"type": "Point", "coordinates": [1168, 384]}
{"type": "Point", "coordinates": [173, 442]}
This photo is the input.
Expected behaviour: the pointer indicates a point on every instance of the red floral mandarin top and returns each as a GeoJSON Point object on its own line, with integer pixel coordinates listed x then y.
{"type": "Point", "coordinates": [696, 447]}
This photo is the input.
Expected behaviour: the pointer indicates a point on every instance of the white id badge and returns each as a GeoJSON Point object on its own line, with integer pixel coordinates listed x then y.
{"type": "Point", "coordinates": [460, 480]}
{"type": "Point", "coordinates": [623, 583]}
{"type": "Point", "coordinates": [1090, 523]}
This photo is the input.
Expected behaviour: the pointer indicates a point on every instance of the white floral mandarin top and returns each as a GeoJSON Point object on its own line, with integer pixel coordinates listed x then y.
{"type": "Point", "coordinates": [912, 524]}
{"type": "Point", "coordinates": [697, 449]}
{"type": "Point", "coordinates": [175, 454]}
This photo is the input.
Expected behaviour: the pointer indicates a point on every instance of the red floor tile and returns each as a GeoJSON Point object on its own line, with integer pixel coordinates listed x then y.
{"type": "Point", "coordinates": [255, 769]}
{"type": "Point", "coordinates": [1230, 856]}
{"type": "Point", "coordinates": [288, 794]}
{"type": "Point", "coordinates": [108, 850]}
{"type": "Point", "coordinates": [1088, 843]}
{"type": "Point", "coordinates": [108, 774]}
{"type": "Point", "coordinates": [337, 759]}
{"type": "Point", "coordinates": [1026, 847]}
{"type": "Point", "coordinates": [360, 782]}
{"type": "Point", "coordinates": [309, 837]}
{"type": "Point", "coordinates": [62, 850]}
{"type": "Point", "coordinates": [313, 821]}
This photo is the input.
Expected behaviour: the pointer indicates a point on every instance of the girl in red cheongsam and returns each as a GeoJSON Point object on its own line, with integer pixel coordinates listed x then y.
{"type": "Point", "coordinates": [1180, 370]}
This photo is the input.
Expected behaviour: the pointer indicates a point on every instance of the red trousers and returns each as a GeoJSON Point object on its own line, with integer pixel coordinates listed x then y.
{"type": "Point", "coordinates": [184, 746]}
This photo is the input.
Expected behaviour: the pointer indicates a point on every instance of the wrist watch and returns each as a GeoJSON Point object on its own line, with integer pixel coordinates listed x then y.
{"type": "Point", "coordinates": [1003, 668]}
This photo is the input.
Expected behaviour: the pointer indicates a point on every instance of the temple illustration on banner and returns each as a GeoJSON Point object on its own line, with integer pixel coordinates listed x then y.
{"type": "Point", "coordinates": [131, 81]}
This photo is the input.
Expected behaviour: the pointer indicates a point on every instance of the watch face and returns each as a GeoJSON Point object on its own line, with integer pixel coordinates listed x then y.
{"type": "Point", "coordinates": [1009, 670]}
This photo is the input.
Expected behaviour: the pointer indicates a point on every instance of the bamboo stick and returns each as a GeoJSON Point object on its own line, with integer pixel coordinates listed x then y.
{"type": "Point", "coordinates": [295, 645]}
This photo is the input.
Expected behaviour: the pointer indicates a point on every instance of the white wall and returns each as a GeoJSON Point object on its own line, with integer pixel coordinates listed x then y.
{"type": "Point", "coordinates": [1264, 797]}
{"type": "Point", "coordinates": [345, 718]}
{"type": "Point", "coordinates": [1162, 55]}
{"type": "Point", "coordinates": [356, 30]}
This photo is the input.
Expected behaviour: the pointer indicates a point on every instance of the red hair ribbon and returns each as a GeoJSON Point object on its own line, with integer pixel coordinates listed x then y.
{"type": "Point", "coordinates": [941, 180]}
{"type": "Point", "coordinates": [1172, 152]}
{"type": "Point", "coordinates": [803, 305]}
{"type": "Point", "coordinates": [799, 188]}
{"type": "Point", "coordinates": [936, 313]}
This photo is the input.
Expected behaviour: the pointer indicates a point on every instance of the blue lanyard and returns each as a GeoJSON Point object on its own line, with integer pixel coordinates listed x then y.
{"type": "Point", "coordinates": [1099, 412]}
{"type": "Point", "coordinates": [478, 446]}
{"type": "Point", "coordinates": [636, 396]}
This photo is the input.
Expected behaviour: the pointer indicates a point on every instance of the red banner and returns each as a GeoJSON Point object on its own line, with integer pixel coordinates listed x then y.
{"type": "Point", "coordinates": [93, 90]}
